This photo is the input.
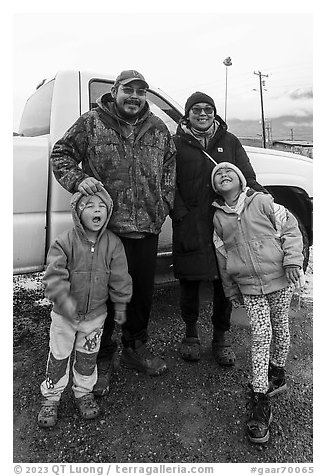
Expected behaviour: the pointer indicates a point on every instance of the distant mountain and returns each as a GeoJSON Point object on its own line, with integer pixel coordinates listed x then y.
{"type": "Point", "coordinates": [277, 128]}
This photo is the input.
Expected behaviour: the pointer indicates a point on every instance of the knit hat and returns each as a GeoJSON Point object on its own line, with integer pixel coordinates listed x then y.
{"type": "Point", "coordinates": [196, 98]}
{"type": "Point", "coordinates": [228, 165]}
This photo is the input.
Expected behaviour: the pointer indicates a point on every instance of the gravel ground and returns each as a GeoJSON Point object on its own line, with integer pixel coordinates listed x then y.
{"type": "Point", "coordinates": [195, 413]}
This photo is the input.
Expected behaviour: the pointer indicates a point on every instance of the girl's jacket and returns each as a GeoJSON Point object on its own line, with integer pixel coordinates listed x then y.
{"type": "Point", "coordinates": [256, 244]}
{"type": "Point", "coordinates": [138, 170]}
{"type": "Point", "coordinates": [88, 272]}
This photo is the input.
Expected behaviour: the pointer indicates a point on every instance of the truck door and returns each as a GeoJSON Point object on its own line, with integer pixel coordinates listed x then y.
{"type": "Point", "coordinates": [64, 112]}
{"type": "Point", "coordinates": [30, 172]}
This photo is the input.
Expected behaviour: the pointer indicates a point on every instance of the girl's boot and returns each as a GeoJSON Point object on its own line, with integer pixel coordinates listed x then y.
{"type": "Point", "coordinates": [260, 417]}
{"type": "Point", "coordinates": [276, 380]}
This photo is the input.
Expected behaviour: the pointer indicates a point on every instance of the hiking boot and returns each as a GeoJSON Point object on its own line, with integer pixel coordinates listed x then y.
{"type": "Point", "coordinates": [260, 418]}
{"type": "Point", "coordinates": [87, 406]}
{"type": "Point", "coordinates": [104, 373]}
{"type": "Point", "coordinates": [48, 414]}
{"type": "Point", "coordinates": [222, 350]}
{"type": "Point", "coordinates": [276, 380]}
{"type": "Point", "coordinates": [141, 359]}
{"type": "Point", "coordinates": [190, 349]}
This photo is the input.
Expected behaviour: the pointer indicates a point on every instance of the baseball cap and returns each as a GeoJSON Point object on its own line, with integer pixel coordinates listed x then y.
{"type": "Point", "coordinates": [129, 75]}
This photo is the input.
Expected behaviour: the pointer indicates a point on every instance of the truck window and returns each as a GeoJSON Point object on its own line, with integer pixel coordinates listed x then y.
{"type": "Point", "coordinates": [159, 106]}
{"type": "Point", "coordinates": [35, 120]}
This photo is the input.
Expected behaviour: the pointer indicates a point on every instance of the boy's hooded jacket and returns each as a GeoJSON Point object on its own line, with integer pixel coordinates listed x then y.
{"type": "Point", "coordinates": [138, 170]}
{"type": "Point", "coordinates": [192, 214]}
{"type": "Point", "coordinates": [88, 272]}
{"type": "Point", "coordinates": [256, 250]}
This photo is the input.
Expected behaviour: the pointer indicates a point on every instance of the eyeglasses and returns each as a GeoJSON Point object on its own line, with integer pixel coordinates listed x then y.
{"type": "Point", "coordinates": [197, 110]}
{"type": "Point", "coordinates": [129, 90]}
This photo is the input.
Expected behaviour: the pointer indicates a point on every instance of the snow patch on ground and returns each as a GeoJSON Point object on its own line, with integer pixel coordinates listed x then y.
{"type": "Point", "coordinates": [43, 302]}
{"type": "Point", "coordinates": [28, 281]}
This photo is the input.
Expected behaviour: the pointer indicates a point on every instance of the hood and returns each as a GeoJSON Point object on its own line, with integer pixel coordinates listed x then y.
{"type": "Point", "coordinates": [77, 198]}
{"type": "Point", "coordinates": [245, 198]}
{"type": "Point", "coordinates": [222, 123]}
{"type": "Point", "coordinates": [107, 105]}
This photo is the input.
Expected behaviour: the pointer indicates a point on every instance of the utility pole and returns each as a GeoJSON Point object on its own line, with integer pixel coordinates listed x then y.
{"type": "Point", "coordinates": [291, 134]}
{"type": "Point", "coordinates": [261, 84]}
{"type": "Point", "coordinates": [227, 62]}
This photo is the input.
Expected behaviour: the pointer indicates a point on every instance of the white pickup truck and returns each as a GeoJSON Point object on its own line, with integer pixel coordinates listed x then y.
{"type": "Point", "coordinates": [41, 205]}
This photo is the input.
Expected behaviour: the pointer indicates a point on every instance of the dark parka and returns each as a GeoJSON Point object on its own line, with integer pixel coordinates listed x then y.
{"type": "Point", "coordinates": [192, 215]}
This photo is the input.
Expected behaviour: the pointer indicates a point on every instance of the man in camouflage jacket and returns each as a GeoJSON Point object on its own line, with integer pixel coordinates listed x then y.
{"type": "Point", "coordinates": [124, 147]}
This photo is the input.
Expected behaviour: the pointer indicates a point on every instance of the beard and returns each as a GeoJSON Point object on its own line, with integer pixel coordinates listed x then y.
{"type": "Point", "coordinates": [129, 113]}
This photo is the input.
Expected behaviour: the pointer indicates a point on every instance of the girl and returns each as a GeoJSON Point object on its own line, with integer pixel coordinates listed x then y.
{"type": "Point", "coordinates": [259, 250]}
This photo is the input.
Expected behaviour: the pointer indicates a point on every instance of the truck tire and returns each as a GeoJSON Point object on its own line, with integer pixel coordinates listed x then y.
{"type": "Point", "coordinates": [306, 249]}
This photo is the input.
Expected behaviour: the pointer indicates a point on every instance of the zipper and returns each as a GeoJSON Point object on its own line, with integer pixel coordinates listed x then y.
{"type": "Point", "coordinates": [134, 191]}
{"type": "Point", "coordinates": [92, 249]}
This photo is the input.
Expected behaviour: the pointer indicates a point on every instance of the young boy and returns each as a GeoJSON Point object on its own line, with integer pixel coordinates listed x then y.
{"type": "Point", "coordinates": [259, 251]}
{"type": "Point", "coordinates": [86, 264]}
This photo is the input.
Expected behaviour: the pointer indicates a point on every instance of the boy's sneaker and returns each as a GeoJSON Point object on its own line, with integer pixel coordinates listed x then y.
{"type": "Point", "coordinates": [48, 414]}
{"type": "Point", "coordinates": [104, 373]}
{"type": "Point", "coordinates": [87, 406]}
{"type": "Point", "coordinates": [276, 380]}
{"type": "Point", "coordinates": [141, 359]}
{"type": "Point", "coordinates": [260, 418]}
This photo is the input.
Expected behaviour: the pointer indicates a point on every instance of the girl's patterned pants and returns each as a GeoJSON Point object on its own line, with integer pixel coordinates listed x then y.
{"type": "Point", "coordinates": [269, 321]}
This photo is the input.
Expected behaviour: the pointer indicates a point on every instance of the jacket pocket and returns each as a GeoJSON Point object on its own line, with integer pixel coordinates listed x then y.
{"type": "Point", "coordinates": [270, 257]}
{"type": "Point", "coordinates": [186, 236]}
{"type": "Point", "coordinates": [100, 289]}
{"type": "Point", "coordinates": [79, 289]}
{"type": "Point", "coordinates": [236, 262]}
{"type": "Point", "coordinates": [260, 257]}
{"type": "Point", "coordinates": [90, 291]}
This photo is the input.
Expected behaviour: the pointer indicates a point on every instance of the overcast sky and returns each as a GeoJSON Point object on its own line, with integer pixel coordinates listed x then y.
{"type": "Point", "coordinates": [178, 52]}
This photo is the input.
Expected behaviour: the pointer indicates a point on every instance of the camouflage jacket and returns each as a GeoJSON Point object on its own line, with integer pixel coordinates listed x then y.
{"type": "Point", "coordinates": [136, 165]}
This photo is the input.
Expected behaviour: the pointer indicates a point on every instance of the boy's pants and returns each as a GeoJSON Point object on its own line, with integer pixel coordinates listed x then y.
{"type": "Point", "coordinates": [84, 338]}
{"type": "Point", "coordinates": [269, 321]}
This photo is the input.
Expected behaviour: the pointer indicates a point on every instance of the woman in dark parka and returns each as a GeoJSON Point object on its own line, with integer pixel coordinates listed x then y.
{"type": "Point", "coordinates": [202, 130]}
